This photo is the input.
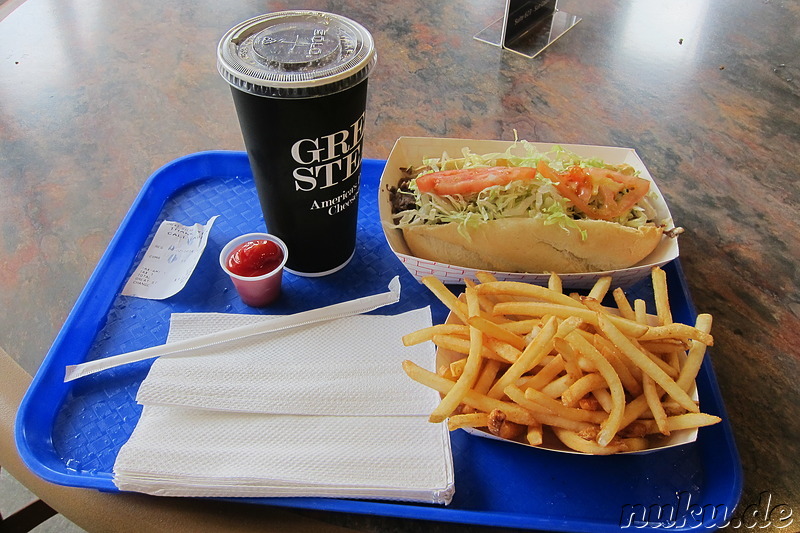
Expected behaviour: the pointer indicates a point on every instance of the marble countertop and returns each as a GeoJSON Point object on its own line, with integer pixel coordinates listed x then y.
{"type": "Point", "coordinates": [95, 96]}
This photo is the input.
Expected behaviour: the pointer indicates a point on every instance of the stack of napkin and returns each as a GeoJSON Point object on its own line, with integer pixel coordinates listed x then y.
{"type": "Point", "coordinates": [317, 410]}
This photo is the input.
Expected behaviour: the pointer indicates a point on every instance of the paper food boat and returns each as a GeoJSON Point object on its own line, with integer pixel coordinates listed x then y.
{"type": "Point", "coordinates": [410, 151]}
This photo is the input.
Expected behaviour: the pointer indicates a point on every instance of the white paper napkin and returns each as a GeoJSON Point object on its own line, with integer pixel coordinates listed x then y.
{"type": "Point", "coordinates": [193, 452]}
{"type": "Point", "coordinates": [351, 366]}
{"type": "Point", "coordinates": [322, 410]}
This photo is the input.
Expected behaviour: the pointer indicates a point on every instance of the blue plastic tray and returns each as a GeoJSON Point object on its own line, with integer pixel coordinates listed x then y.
{"type": "Point", "coordinates": [70, 433]}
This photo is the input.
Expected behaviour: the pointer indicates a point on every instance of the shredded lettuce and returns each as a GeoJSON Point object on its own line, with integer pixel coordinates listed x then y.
{"type": "Point", "coordinates": [527, 198]}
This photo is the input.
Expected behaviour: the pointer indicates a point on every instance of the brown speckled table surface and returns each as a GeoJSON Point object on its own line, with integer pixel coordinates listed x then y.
{"type": "Point", "coordinates": [96, 95]}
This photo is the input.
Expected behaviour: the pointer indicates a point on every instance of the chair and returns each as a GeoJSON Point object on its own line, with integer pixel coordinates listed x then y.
{"type": "Point", "coordinates": [125, 512]}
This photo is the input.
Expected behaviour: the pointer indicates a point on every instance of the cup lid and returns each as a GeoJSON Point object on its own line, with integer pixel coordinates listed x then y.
{"type": "Point", "coordinates": [296, 54]}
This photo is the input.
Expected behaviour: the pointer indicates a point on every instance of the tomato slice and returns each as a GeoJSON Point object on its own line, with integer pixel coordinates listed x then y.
{"type": "Point", "coordinates": [471, 180]}
{"type": "Point", "coordinates": [583, 185]}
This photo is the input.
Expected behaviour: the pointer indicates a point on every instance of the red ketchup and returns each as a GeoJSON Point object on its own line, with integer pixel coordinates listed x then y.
{"type": "Point", "coordinates": [255, 258]}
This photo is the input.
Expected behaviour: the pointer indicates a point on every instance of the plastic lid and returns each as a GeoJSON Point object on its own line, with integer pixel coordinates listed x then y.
{"type": "Point", "coordinates": [296, 54]}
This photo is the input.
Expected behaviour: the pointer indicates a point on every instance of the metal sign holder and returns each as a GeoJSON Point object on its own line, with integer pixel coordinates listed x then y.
{"type": "Point", "coordinates": [528, 27]}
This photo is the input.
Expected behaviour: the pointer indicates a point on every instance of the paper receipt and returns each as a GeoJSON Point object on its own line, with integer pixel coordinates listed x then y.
{"type": "Point", "coordinates": [169, 261]}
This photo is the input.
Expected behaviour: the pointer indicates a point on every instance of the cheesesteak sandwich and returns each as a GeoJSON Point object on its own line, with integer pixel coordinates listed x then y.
{"type": "Point", "coordinates": [553, 212]}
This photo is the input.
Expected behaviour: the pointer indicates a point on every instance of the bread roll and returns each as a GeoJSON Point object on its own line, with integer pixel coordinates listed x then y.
{"type": "Point", "coordinates": [529, 245]}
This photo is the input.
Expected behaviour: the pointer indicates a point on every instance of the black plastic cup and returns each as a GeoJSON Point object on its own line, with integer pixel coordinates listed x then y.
{"type": "Point", "coordinates": [299, 85]}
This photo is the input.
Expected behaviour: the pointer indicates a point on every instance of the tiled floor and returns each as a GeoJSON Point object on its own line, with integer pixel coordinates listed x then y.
{"type": "Point", "coordinates": [14, 496]}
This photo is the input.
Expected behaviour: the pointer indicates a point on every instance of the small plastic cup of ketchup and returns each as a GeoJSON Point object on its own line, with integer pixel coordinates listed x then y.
{"type": "Point", "coordinates": [255, 264]}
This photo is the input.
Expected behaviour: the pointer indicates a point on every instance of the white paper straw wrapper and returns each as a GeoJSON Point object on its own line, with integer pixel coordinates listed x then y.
{"type": "Point", "coordinates": [343, 309]}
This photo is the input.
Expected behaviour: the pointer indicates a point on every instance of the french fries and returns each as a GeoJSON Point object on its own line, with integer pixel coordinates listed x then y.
{"type": "Point", "coordinates": [533, 364]}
